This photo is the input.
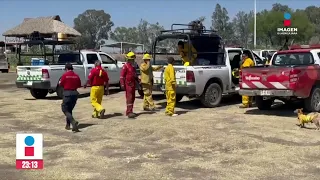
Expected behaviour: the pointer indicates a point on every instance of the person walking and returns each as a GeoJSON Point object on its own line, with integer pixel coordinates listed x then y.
{"type": "Point", "coordinates": [70, 81]}
{"type": "Point", "coordinates": [170, 80]}
{"type": "Point", "coordinates": [247, 62]}
{"type": "Point", "coordinates": [128, 79]}
{"type": "Point", "coordinates": [146, 73]}
{"type": "Point", "coordinates": [99, 79]}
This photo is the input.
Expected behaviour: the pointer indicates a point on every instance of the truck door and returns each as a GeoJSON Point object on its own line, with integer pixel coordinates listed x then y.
{"type": "Point", "coordinates": [234, 57]}
{"type": "Point", "coordinates": [91, 59]}
{"type": "Point", "coordinates": [111, 67]}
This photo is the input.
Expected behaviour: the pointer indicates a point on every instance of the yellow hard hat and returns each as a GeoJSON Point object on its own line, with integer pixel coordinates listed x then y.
{"type": "Point", "coordinates": [146, 57]}
{"type": "Point", "coordinates": [131, 55]}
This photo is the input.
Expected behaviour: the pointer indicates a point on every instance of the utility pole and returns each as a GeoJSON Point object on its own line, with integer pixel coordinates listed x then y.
{"type": "Point", "coordinates": [255, 25]}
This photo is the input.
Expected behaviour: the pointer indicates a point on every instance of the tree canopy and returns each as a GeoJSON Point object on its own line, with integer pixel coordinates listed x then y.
{"type": "Point", "coordinates": [95, 27]}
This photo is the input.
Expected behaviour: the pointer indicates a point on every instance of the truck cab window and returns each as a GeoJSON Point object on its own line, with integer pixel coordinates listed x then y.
{"type": "Point", "coordinates": [106, 59]}
{"type": "Point", "coordinates": [91, 58]}
{"type": "Point", "coordinates": [264, 54]}
{"type": "Point", "coordinates": [257, 59]}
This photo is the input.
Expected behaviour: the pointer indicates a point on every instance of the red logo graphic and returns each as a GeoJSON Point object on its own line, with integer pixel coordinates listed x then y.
{"type": "Point", "coordinates": [287, 23]}
{"type": "Point", "coordinates": [29, 149]}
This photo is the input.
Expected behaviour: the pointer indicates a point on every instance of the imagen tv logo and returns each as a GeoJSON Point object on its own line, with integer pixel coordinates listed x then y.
{"type": "Point", "coordinates": [287, 30]}
{"type": "Point", "coordinates": [29, 151]}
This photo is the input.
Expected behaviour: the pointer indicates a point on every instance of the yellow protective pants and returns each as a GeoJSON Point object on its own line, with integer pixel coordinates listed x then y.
{"type": "Point", "coordinates": [147, 98]}
{"type": "Point", "coordinates": [171, 101]}
{"type": "Point", "coordinates": [246, 101]}
{"type": "Point", "coordinates": [96, 95]}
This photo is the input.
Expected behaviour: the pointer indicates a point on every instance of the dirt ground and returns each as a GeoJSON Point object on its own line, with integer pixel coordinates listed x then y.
{"type": "Point", "coordinates": [220, 143]}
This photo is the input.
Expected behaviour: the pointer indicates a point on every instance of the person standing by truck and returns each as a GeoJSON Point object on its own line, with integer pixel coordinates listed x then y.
{"type": "Point", "coordinates": [146, 71]}
{"type": "Point", "coordinates": [170, 80]}
{"type": "Point", "coordinates": [99, 80]}
{"type": "Point", "coordinates": [128, 79]}
{"type": "Point", "coordinates": [183, 50]}
{"type": "Point", "coordinates": [70, 81]}
{"type": "Point", "coordinates": [247, 62]}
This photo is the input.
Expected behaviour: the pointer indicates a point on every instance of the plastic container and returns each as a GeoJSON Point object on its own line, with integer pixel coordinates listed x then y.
{"type": "Point", "coordinates": [37, 62]}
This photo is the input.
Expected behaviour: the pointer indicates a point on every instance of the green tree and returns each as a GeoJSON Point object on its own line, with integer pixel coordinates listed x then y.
{"type": "Point", "coordinates": [313, 14]}
{"type": "Point", "coordinates": [220, 23]}
{"type": "Point", "coordinates": [242, 27]}
{"type": "Point", "coordinates": [269, 21]}
{"type": "Point", "coordinates": [94, 25]}
{"type": "Point", "coordinates": [124, 34]}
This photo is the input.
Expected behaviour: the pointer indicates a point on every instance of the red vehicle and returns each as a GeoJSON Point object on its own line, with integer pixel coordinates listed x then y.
{"type": "Point", "coordinates": [292, 75]}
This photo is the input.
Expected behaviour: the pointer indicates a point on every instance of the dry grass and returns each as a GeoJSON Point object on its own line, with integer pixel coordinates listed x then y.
{"type": "Point", "coordinates": [221, 143]}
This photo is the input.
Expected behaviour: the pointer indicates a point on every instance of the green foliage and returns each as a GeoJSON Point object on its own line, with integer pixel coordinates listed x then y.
{"type": "Point", "coordinates": [144, 33]}
{"type": "Point", "coordinates": [221, 23]}
{"type": "Point", "coordinates": [94, 26]}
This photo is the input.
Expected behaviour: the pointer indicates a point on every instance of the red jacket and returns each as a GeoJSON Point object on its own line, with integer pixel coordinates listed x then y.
{"type": "Point", "coordinates": [70, 81]}
{"type": "Point", "coordinates": [128, 75]}
{"type": "Point", "coordinates": [98, 76]}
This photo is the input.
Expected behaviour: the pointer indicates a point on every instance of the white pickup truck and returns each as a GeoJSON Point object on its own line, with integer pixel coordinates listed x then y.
{"type": "Point", "coordinates": [207, 82]}
{"type": "Point", "coordinates": [42, 80]}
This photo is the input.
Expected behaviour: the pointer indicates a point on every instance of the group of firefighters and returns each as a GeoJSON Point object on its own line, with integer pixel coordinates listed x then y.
{"type": "Point", "coordinates": [98, 79]}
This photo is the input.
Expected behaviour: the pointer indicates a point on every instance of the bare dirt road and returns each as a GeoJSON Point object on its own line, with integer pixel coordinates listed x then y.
{"type": "Point", "coordinates": [220, 143]}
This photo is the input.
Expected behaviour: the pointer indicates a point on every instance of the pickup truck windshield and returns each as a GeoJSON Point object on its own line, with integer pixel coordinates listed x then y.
{"type": "Point", "coordinates": [301, 58]}
{"type": "Point", "coordinates": [68, 58]}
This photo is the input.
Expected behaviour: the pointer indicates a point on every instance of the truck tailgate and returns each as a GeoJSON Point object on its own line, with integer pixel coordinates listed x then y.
{"type": "Point", "coordinates": [158, 76]}
{"type": "Point", "coordinates": [265, 78]}
{"type": "Point", "coordinates": [29, 73]}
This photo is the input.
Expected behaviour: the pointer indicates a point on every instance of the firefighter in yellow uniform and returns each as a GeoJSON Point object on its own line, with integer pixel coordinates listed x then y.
{"type": "Point", "coordinates": [247, 62]}
{"type": "Point", "coordinates": [146, 73]}
{"type": "Point", "coordinates": [170, 80]}
{"type": "Point", "coordinates": [183, 50]}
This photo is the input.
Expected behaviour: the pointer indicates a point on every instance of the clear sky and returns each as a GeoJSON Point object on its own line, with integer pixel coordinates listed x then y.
{"type": "Point", "coordinates": [129, 13]}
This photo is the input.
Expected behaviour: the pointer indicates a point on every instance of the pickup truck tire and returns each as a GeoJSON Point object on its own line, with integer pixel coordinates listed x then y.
{"type": "Point", "coordinates": [263, 104]}
{"type": "Point", "coordinates": [179, 97]}
{"type": "Point", "coordinates": [59, 92]}
{"type": "Point", "coordinates": [39, 93]}
{"type": "Point", "coordinates": [5, 71]}
{"type": "Point", "coordinates": [312, 102]}
{"type": "Point", "coordinates": [212, 95]}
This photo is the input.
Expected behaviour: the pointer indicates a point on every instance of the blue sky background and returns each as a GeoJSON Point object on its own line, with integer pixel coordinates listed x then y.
{"type": "Point", "coordinates": [128, 13]}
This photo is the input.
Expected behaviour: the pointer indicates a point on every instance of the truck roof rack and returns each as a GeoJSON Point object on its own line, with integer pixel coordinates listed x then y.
{"type": "Point", "coordinates": [296, 46]}
{"type": "Point", "coordinates": [195, 27]}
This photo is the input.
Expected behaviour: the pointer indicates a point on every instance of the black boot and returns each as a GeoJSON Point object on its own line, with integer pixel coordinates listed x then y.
{"type": "Point", "coordinates": [132, 115]}
{"type": "Point", "coordinates": [101, 114]}
{"type": "Point", "coordinates": [68, 126]}
{"type": "Point", "coordinates": [75, 126]}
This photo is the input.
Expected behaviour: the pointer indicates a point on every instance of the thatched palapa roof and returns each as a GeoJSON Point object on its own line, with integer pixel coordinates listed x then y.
{"type": "Point", "coordinates": [45, 26]}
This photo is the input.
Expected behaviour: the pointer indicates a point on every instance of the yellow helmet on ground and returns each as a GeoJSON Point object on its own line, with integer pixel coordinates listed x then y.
{"type": "Point", "coordinates": [146, 57]}
{"type": "Point", "coordinates": [130, 56]}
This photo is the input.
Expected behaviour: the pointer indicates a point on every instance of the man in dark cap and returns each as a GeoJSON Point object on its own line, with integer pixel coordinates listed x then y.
{"type": "Point", "coordinates": [70, 82]}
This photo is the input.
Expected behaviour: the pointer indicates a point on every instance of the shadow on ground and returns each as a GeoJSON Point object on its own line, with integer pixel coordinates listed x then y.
{"type": "Point", "coordinates": [156, 97]}
{"type": "Point", "coordinates": [145, 112]}
{"type": "Point", "coordinates": [82, 95]}
{"type": "Point", "coordinates": [278, 109]}
{"type": "Point", "coordinates": [84, 125]}
{"type": "Point", "coordinates": [195, 104]}
{"type": "Point", "coordinates": [107, 116]}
